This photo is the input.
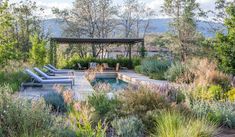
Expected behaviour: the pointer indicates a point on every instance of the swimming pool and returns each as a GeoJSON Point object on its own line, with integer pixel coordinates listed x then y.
{"type": "Point", "coordinates": [115, 83]}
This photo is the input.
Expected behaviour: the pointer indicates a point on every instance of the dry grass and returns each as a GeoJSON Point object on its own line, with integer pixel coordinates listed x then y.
{"type": "Point", "coordinates": [102, 87]}
{"type": "Point", "coordinates": [206, 72]}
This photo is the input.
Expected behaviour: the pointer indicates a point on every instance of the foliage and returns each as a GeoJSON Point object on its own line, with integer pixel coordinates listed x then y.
{"type": "Point", "coordinates": [216, 92]}
{"type": "Point", "coordinates": [184, 33]}
{"type": "Point", "coordinates": [153, 67]}
{"type": "Point", "coordinates": [56, 101]}
{"type": "Point", "coordinates": [138, 69]}
{"type": "Point", "coordinates": [231, 94]}
{"type": "Point", "coordinates": [149, 120]}
{"type": "Point", "coordinates": [225, 45]}
{"type": "Point", "coordinates": [124, 62]}
{"type": "Point", "coordinates": [128, 127]}
{"type": "Point", "coordinates": [6, 36]}
{"type": "Point", "coordinates": [38, 50]}
{"type": "Point", "coordinates": [174, 124]}
{"type": "Point", "coordinates": [180, 73]}
{"type": "Point", "coordinates": [81, 123]}
{"type": "Point", "coordinates": [219, 112]}
{"type": "Point", "coordinates": [26, 23]}
{"type": "Point", "coordinates": [105, 108]}
{"type": "Point", "coordinates": [140, 101]}
{"type": "Point", "coordinates": [13, 79]}
{"type": "Point", "coordinates": [198, 71]}
{"type": "Point", "coordinates": [24, 118]}
{"type": "Point", "coordinates": [206, 73]}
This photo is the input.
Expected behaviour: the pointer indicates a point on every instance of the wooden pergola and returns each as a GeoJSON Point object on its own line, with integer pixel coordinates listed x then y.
{"type": "Point", "coordinates": [60, 40]}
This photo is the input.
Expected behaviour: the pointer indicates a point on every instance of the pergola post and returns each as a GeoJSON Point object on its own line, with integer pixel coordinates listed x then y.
{"type": "Point", "coordinates": [51, 52]}
{"type": "Point", "coordinates": [142, 49]}
{"type": "Point", "coordinates": [53, 56]}
{"type": "Point", "coordinates": [92, 41]}
{"type": "Point", "coordinates": [129, 50]}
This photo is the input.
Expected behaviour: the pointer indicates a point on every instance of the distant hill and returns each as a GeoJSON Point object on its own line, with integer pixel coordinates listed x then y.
{"type": "Point", "coordinates": [55, 27]}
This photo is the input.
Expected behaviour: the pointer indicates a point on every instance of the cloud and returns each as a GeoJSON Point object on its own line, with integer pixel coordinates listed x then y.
{"type": "Point", "coordinates": [60, 5]}
{"type": "Point", "coordinates": [155, 4]}
{"type": "Point", "coordinates": [47, 5]}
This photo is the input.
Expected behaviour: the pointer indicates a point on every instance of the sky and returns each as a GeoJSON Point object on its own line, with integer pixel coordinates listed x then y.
{"type": "Point", "coordinates": [66, 4]}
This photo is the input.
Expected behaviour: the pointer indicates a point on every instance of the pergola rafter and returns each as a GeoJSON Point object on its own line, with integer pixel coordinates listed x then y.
{"type": "Point", "coordinates": [63, 40]}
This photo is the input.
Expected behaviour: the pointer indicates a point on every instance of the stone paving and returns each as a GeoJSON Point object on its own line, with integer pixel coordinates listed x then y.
{"type": "Point", "coordinates": [135, 78]}
{"type": "Point", "coordinates": [82, 88]}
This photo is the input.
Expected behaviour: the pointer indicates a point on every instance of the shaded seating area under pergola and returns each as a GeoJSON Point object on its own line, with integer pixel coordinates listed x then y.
{"type": "Point", "coordinates": [55, 41]}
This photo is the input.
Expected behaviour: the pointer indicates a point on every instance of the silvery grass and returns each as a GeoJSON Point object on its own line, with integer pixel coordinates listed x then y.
{"type": "Point", "coordinates": [219, 112]}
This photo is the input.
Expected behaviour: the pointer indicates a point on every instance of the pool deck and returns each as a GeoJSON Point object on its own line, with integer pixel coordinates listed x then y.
{"type": "Point", "coordinates": [82, 87]}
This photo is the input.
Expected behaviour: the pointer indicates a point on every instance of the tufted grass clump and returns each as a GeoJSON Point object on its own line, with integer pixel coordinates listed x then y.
{"type": "Point", "coordinates": [175, 124]}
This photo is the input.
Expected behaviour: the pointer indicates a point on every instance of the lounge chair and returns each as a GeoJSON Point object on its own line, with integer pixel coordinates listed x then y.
{"type": "Point", "coordinates": [58, 71]}
{"type": "Point", "coordinates": [37, 79]}
{"type": "Point", "coordinates": [51, 77]}
{"type": "Point", "coordinates": [53, 67]}
{"type": "Point", "coordinates": [80, 67]}
{"type": "Point", "coordinates": [106, 66]}
{"type": "Point", "coordinates": [118, 67]}
{"type": "Point", "coordinates": [92, 65]}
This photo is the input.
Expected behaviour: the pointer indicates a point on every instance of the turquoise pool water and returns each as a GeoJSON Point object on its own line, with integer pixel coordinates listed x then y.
{"type": "Point", "coordinates": [116, 84]}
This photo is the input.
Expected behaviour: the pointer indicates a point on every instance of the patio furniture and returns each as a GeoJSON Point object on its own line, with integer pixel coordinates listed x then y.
{"type": "Point", "coordinates": [58, 71]}
{"type": "Point", "coordinates": [39, 80]}
{"type": "Point", "coordinates": [53, 67]}
{"type": "Point", "coordinates": [52, 77]}
{"type": "Point", "coordinates": [92, 65]}
{"type": "Point", "coordinates": [80, 67]}
{"type": "Point", "coordinates": [106, 66]}
{"type": "Point", "coordinates": [118, 67]}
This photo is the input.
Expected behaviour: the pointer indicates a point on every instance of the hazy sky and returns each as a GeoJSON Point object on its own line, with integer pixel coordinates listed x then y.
{"type": "Point", "coordinates": [62, 4]}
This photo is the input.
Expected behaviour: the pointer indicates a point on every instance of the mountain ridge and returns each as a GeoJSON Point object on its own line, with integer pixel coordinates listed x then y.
{"type": "Point", "coordinates": [55, 26]}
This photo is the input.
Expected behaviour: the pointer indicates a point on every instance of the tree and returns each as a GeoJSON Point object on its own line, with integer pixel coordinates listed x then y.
{"type": "Point", "coordinates": [225, 43]}
{"type": "Point", "coordinates": [184, 34]}
{"type": "Point", "coordinates": [135, 21]}
{"type": "Point", "coordinates": [89, 18]}
{"type": "Point", "coordinates": [38, 51]}
{"type": "Point", "coordinates": [26, 23]}
{"type": "Point", "coordinates": [218, 14]}
{"type": "Point", "coordinates": [135, 18]}
{"type": "Point", "coordinates": [6, 40]}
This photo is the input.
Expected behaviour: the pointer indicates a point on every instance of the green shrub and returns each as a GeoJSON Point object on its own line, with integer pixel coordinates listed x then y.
{"type": "Point", "coordinates": [23, 118]}
{"type": "Point", "coordinates": [105, 108]}
{"type": "Point", "coordinates": [13, 79]}
{"type": "Point", "coordinates": [153, 68]}
{"type": "Point", "coordinates": [138, 69]}
{"type": "Point", "coordinates": [56, 101]}
{"type": "Point", "coordinates": [212, 92]}
{"type": "Point", "coordinates": [38, 51]}
{"type": "Point", "coordinates": [216, 92]}
{"type": "Point", "coordinates": [66, 133]}
{"type": "Point", "coordinates": [128, 127]}
{"type": "Point", "coordinates": [83, 125]}
{"type": "Point", "coordinates": [174, 124]}
{"type": "Point", "coordinates": [218, 112]}
{"type": "Point", "coordinates": [150, 65]}
{"type": "Point", "coordinates": [231, 94]}
{"type": "Point", "coordinates": [149, 120]}
{"type": "Point", "coordinates": [180, 73]}
{"type": "Point", "coordinates": [176, 96]}
{"type": "Point", "coordinates": [124, 62]}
